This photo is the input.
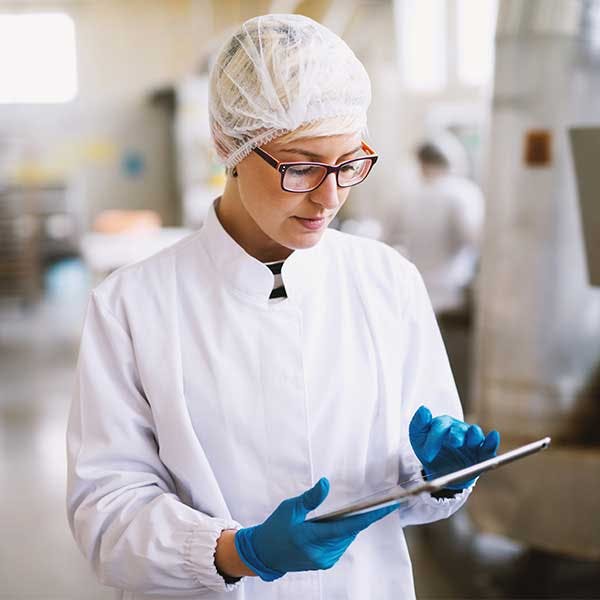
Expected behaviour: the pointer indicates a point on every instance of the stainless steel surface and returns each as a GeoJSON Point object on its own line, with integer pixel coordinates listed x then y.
{"type": "Point", "coordinates": [538, 334]}
{"type": "Point", "coordinates": [585, 145]}
{"type": "Point", "coordinates": [538, 326]}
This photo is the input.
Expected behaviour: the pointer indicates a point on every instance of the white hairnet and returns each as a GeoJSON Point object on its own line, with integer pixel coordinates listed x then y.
{"type": "Point", "coordinates": [281, 72]}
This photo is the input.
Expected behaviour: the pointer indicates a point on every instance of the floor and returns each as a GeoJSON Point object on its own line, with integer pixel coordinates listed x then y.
{"type": "Point", "coordinates": [38, 557]}
{"type": "Point", "coordinates": [38, 348]}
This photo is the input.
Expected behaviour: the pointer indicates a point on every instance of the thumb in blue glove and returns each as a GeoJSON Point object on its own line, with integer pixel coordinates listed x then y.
{"type": "Point", "coordinates": [444, 444]}
{"type": "Point", "coordinates": [287, 542]}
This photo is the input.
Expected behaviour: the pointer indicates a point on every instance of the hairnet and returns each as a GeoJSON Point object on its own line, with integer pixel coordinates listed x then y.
{"type": "Point", "coordinates": [278, 73]}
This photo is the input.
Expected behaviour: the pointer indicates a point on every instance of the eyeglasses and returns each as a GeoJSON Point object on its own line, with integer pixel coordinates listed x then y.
{"type": "Point", "coordinates": [302, 177]}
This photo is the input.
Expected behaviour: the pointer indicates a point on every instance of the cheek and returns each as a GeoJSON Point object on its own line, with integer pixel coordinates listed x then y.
{"type": "Point", "coordinates": [343, 196]}
{"type": "Point", "coordinates": [272, 210]}
{"type": "Point", "coordinates": [260, 195]}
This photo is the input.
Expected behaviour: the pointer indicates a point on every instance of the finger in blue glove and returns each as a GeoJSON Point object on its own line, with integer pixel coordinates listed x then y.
{"type": "Point", "coordinates": [444, 444]}
{"type": "Point", "coordinates": [287, 542]}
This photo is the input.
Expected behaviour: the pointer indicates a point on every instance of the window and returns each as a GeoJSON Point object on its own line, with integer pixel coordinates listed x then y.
{"type": "Point", "coordinates": [476, 21]}
{"type": "Point", "coordinates": [422, 43]}
{"type": "Point", "coordinates": [445, 43]}
{"type": "Point", "coordinates": [37, 58]}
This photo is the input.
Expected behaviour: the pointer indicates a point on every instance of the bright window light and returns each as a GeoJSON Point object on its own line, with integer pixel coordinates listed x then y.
{"type": "Point", "coordinates": [37, 58]}
{"type": "Point", "coordinates": [476, 28]}
{"type": "Point", "coordinates": [422, 33]}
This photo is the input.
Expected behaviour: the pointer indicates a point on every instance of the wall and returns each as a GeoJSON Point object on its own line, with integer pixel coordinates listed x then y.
{"type": "Point", "coordinates": [125, 50]}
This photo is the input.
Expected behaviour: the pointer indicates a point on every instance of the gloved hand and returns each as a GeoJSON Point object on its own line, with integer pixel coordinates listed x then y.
{"type": "Point", "coordinates": [286, 542]}
{"type": "Point", "coordinates": [444, 444]}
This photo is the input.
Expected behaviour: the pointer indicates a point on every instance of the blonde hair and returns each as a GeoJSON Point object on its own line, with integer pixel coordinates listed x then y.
{"type": "Point", "coordinates": [325, 127]}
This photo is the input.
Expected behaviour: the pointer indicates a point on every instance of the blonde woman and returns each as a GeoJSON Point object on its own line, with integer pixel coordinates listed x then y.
{"type": "Point", "coordinates": [230, 384]}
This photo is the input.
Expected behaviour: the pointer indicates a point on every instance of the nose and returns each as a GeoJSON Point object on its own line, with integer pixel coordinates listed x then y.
{"type": "Point", "coordinates": [327, 193]}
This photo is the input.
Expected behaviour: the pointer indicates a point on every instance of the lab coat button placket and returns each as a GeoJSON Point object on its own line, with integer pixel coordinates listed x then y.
{"type": "Point", "coordinates": [285, 405]}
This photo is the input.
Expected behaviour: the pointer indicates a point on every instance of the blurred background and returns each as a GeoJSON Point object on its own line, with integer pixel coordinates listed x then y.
{"type": "Point", "coordinates": [486, 117]}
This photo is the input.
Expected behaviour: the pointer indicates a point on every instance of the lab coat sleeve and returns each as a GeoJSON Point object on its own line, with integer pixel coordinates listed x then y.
{"type": "Point", "coordinates": [467, 216]}
{"type": "Point", "coordinates": [427, 380]}
{"type": "Point", "coordinates": [121, 501]}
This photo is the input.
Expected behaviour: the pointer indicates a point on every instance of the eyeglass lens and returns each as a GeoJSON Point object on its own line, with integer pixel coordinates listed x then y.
{"type": "Point", "coordinates": [304, 177]}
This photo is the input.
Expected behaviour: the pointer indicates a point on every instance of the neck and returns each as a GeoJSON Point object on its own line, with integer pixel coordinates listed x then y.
{"type": "Point", "coordinates": [238, 223]}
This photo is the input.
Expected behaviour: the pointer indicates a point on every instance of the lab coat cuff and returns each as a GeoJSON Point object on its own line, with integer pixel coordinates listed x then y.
{"type": "Point", "coordinates": [199, 554]}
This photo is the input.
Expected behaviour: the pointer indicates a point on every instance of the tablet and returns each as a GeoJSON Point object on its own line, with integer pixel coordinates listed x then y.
{"type": "Point", "coordinates": [401, 492]}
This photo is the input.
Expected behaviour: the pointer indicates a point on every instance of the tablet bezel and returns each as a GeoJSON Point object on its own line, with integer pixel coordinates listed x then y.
{"type": "Point", "coordinates": [399, 493]}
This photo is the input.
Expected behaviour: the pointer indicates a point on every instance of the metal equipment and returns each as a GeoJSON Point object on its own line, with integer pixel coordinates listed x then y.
{"type": "Point", "coordinates": [538, 333]}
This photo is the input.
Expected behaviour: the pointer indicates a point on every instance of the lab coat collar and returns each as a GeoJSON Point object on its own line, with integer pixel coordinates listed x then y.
{"type": "Point", "coordinates": [252, 278]}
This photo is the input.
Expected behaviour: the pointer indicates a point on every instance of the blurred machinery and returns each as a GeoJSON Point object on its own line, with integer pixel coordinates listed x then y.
{"type": "Point", "coordinates": [532, 530]}
{"type": "Point", "coordinates": [538, 335]}
{"type": "Point", "coordinates": [39, 224]}
{"type": "Point", "coordinates": [19, 249]}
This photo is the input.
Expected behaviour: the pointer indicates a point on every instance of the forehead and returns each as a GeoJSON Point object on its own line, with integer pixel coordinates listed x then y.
{"type": "Point", "coordinates": [321, 147]}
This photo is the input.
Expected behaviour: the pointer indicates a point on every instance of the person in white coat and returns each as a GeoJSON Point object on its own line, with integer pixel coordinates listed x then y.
{"type": "Point", "coordinates": [439, 223]}
{"type": "Point", "coordinates": [265, 365]}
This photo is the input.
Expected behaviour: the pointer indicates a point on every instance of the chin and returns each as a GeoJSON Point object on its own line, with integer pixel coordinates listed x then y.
{"type": "Point", "coordinates": [305, 241]}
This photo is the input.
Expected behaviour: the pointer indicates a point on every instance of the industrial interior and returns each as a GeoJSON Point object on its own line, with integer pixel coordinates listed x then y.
{"type": "Point", "coordinates": [106, 158]}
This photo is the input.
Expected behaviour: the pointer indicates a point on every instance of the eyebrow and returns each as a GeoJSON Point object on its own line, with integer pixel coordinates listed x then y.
{"type": "Point", "coordinates": [312, 155]}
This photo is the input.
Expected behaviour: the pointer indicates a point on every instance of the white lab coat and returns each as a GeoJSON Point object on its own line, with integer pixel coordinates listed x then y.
{"type": "Point", "coordinates": [438, 227]}
{"type": "Point", "coordinates": [200, 406]}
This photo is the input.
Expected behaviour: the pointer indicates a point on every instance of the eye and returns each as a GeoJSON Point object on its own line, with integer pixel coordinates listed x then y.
{"type": "Point", "coordinates": [301, 171]}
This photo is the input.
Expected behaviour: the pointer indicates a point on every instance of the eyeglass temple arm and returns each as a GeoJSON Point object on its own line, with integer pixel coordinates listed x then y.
{"type": "Point", "coordinates": [368, 148]}
{"type": "Point", "coordinates": [267, 157]}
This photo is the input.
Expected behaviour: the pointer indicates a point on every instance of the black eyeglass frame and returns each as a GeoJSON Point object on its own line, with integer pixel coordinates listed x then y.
{"type": "Point", "coordinates": [282, 167]}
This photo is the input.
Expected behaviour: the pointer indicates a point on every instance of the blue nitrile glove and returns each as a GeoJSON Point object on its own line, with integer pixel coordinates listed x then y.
{"type": "Point", "coordinates": [444, 444]}
{"type": "Point", "coordinates": [286, 542]}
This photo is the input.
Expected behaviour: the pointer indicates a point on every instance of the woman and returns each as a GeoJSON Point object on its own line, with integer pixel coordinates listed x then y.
{"type": "Point", "coordinates": [221, 380]}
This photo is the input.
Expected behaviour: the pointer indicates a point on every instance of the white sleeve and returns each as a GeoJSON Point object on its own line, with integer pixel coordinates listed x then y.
{"type": "Point", "coordinates": [427, 380]}
{"type": "Point", "coordinates": [121, 501]}
{"type": "Point", "coordinates": [468, 214]}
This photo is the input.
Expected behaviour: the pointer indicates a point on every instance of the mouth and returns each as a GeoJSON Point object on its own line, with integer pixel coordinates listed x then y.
{"type": "Point", "coordinates": [312, 223]}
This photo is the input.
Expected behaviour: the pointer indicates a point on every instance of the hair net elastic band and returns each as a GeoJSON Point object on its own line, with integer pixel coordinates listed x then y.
{"type": "Point", "coordinates": [245, 149]}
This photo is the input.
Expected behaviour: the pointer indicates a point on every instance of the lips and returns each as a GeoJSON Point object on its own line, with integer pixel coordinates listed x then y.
{"type": "Point", "coordinates": [311, 223]}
